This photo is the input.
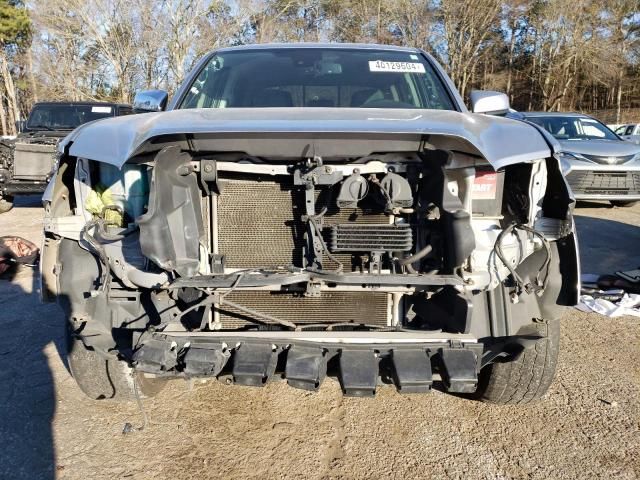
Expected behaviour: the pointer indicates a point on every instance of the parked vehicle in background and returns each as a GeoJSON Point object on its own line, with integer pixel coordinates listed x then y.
{"type": "Point", "coordinates": [26, 163]}
{"type": "Point", "coordinates": [311, 210]}
{"type": "Point", "coordinates": [597, 164]}
{"type": "Point", "coordinates": [630, 132]}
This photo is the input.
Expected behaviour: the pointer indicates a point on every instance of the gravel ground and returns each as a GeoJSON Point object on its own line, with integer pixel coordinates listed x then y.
{"type": "Point", "coordinates": [587, 426]}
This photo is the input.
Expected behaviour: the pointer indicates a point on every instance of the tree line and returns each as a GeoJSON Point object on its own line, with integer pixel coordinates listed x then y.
{"type": "Point", "coordinates": [545, 54]}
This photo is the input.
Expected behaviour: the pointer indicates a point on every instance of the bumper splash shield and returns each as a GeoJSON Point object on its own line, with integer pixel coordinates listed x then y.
{"type": "Point", "coordinates": [358, 360]}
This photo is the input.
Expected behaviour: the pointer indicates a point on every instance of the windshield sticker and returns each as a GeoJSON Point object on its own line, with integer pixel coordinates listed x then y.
{"type": "Point", "coordinates": [413, 57]}
{"type": "Point", "coordinates": [399, 67]}
{"type": "Point", "coordinates": [100, 109]}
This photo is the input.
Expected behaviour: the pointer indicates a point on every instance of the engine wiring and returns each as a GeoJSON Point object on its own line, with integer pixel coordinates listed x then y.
{"type": "Point", "coordinates": [100, 223]}
{"type": "Point", "coordinates": [319, 237]}
{"type": "Point", "coordinates": [99, 251]}
{"type": "Point", "coordinates": [520, 285]}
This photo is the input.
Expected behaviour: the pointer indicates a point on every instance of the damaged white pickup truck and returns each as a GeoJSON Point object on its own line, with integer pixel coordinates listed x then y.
{"type": "Point", "coordinates": [304, 211]}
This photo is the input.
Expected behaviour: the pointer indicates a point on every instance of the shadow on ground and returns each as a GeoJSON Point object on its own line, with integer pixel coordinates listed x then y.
{"type": "Point", "coordinates": [607, 246]}
{"type": "Point", "coordinates": [593, 204]}
{"type": "Point", "coordinates": [27, 399]}
{"type": "Point", "coordinates": [28, 201]}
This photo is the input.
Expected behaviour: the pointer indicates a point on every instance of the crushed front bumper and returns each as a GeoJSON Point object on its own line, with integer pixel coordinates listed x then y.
{"type": "Point", "coordinates": [360, 360]}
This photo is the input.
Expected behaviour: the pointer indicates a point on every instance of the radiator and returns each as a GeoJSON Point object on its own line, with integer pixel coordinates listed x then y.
{"type": "Point", "coordinates": [258, 225]}
{"type": "Point", "coordinates": [259, 222]}
{"type": "Point", "coordinates": [330, 307]}
{"type": "Point", "coordinates": [33, 161]}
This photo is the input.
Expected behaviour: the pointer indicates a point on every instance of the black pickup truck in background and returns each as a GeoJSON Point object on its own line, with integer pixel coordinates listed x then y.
{"type": "Point", "coordinates": [26, 163]}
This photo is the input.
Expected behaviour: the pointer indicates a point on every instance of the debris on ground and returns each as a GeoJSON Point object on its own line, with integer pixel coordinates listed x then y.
{"type": "Point", "coordinates": [611, 295]}
{"type": "Point", "coordinates": [629, 304]}
{"type": "Point", "coordinates": [17, 251]}
{"type": "Point", "coordinates": [632, 276]}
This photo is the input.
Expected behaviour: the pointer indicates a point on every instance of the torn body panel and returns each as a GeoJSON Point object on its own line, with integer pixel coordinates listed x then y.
{"type": "Point", "coordinates": [255, 225]}
{"type": "Point", "coordinates": [250, 303]}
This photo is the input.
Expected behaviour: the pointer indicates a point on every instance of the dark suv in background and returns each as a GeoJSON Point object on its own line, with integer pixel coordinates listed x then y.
{"type": "Point", "coordinates": [27, 162]}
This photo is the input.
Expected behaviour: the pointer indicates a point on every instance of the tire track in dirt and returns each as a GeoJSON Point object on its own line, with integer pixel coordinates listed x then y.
{"type": "Point", "coordinates": [335, 446]}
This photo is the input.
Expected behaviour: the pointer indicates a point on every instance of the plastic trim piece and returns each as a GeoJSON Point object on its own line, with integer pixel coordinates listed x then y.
{"type": "Point", "coordinates": [305, 365]}
{"type": "Point", "coordinates": [172, 229]}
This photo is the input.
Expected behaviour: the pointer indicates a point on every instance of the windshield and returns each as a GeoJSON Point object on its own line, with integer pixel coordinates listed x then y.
{"type": "Point", "coordinates": [65, 117]}
{"type": "Point", "coordinates": [317, 77]}
{"type": "Point", "coordinates": [574, 128]}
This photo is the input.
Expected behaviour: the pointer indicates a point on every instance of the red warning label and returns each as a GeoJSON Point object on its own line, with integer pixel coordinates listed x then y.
{"type": "Point", "coordinates": [484, 186]}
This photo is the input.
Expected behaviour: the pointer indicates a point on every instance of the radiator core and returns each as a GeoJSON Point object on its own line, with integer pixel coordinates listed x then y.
{"type": "Point", "coordinates": [259, 225]}
{"type": "Point", "coordinates": [330, 307]}
{"type": "Point", "coordinates": [259, 222]}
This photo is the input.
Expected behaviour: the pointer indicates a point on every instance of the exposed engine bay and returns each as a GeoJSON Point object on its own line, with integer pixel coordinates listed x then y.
{"type": "Point", "coordinates": [423, 247]}
{"type": "Point", "coordinates": [318, 235]}
{"type": "Point", "coordinates": [247, 233]}
{"type": "Point", "coordinates": [228, 242]}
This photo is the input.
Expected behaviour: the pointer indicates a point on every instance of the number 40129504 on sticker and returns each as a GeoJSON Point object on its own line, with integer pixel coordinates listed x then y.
{"type": "Point", "coordinates": [399, 67]}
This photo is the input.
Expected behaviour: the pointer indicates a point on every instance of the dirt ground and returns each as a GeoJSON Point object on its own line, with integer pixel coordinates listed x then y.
{"type": "Point", "coordinates": [587, 426]}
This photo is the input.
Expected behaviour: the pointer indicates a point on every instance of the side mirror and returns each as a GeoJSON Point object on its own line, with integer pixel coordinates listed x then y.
{"type": "Point", "coordinates": [491, 103]}
{"type": "Point", "coordinates": [150, 101]}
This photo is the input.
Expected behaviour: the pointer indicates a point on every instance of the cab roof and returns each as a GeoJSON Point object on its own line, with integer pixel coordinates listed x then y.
{"type": "Point", "coordinates": [337, 46]}
{"type": "Point", "coordinates": [554, 114]}
{"type": "Point", "coordinates": [62, 102]}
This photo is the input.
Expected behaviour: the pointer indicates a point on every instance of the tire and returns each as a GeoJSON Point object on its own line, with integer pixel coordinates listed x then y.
{"type": "Point", "coordinates": [528, 377]}
{"type": "Point", "coordinates": [100, 378]}
{"type": "Point", "coordinates": [6, 203]}
{"type": "Point", "coordinates": [622, 203]}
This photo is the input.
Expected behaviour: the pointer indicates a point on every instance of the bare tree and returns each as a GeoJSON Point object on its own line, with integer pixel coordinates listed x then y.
{"type": "Point", "coordinates": [413, 22]}
{"type": "Point", "coordinates": [362, 20]}
{"type": "Point", "coordinates": [183, 20]}
{"type": "Point", "coordinates": [625, 32]}
{"type": "Point", "coordinates": [547, 54]}
{"type": "Point", "coordinates": [467, 26]}
{"type": "Point", "coordinates": [152, 52]}
{"type": "Point", "coordinates": [514, 16]}
{"type": "Point", "coordinates": [10, 94]}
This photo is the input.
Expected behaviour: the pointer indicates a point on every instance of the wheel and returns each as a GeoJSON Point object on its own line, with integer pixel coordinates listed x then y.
{"type": "Point", "coordinates": [100, 378]}
{"type": "Point", "coordinates": [6, 203]}
{"type": "Point", "coordinates": [528, 377]}
{"type": "Point", "coordinates": [622, 203]}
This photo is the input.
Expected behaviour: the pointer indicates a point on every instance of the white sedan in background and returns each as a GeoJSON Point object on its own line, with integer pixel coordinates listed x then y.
{"type": "Point", "coordinates": [629, 132]}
